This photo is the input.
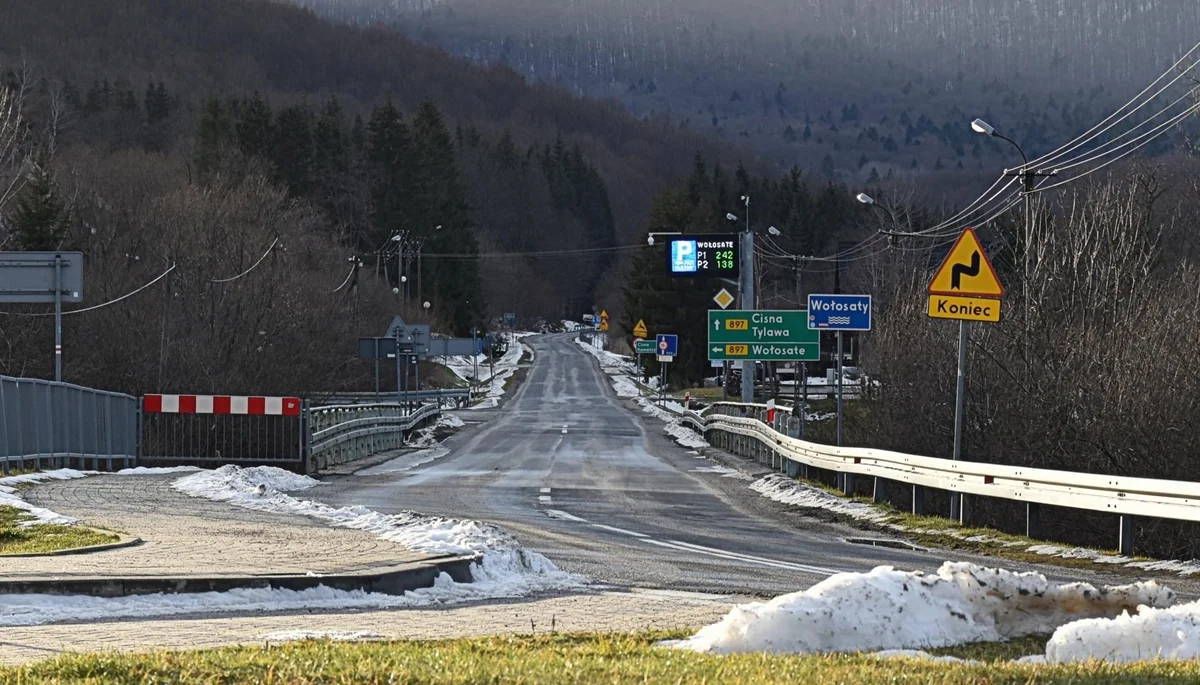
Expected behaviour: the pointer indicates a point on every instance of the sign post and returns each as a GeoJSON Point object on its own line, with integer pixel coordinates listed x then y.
{"type": "Point", "coordinates": [43, 277]}
{"type": "Point", "coordinates": [965, 288]}
{"type": "Point", "coordinates": [667, 347]}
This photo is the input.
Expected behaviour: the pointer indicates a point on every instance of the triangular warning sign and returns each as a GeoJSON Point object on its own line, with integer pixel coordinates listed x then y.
{"type": "Point", "coordinates": [639, 331]}
{"type": "Point", "coordinates": [966, 270]}
{"type": "Point", "coordinates": [604, 315]}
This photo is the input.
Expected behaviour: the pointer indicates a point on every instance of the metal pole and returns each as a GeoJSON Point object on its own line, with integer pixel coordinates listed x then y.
{"type": "Point", "coordinates": [804, 406]}
{"type": "Point", "coordinates": [956, 498]}
{"type": "Point", "coordinates": [747, 294]}
{"type": "Point", "coordinates": [841, 430]}
{"type": "Point", "coordinates": [376, 369]}
{"type": "Point", "coordinates": [419, 300]}
{"type": "Point", "coordinates": [58, 318]}
{"type": "Point", "coordinates": [399, 387]}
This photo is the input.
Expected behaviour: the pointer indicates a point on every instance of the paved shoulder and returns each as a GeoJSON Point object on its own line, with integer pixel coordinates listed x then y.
{"type": "Point", "coordinates": [188, 536]}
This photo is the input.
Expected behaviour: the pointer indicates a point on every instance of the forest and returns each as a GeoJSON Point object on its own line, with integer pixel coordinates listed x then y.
{"type": "Point", "coordinates": [852, 90]}
{"type": "Point", "coordinates": [208, 158]}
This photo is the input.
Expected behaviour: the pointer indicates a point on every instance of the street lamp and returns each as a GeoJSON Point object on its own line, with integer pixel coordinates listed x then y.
{"type": "Point", "coordinates": [774, 231]}
{"type": "Point", "coordinates": [985, 129]}
{"type": "Point", "coordinates": [650, 238]}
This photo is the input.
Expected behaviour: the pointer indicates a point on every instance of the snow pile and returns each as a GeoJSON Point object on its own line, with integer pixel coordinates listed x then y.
{"type": "Point", "coordinates": [253, 488]}
{"type": "Point", "coordinates": [783, 489]}
{"type": "Point", "coordinates": [38, 515]}
{"type": "Point", "coordinates": [157, 470]}
{"type": "Point", "coordinates": [1152, 633]}
{"type": "Point", "coordinates": [506, 366]}
{"type": "Point", "coordinates": [886, 609]}
{"type": "Point", "coordinates": [572, 326]}
{"type": "Point", "coordinates": [504, 568]}
{"type": "Point", "coordinates": [427, 437]}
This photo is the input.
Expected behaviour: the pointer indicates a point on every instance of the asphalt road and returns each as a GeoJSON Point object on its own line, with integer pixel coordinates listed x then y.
{"type": "Point", "coordinates": [583, 477]}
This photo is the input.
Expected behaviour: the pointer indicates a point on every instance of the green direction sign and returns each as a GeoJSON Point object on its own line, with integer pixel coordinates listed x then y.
{"type": "Point", "coordinates": [645, 347]}
{"type": "Point", "coordinates": [765, 336]}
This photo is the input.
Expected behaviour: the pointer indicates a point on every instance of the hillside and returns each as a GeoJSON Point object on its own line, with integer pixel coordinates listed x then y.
{"type": "Point", "coordinates": [850, 89]}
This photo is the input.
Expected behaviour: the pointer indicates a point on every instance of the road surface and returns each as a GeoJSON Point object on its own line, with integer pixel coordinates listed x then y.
{"type": "Point", "coordinates": [582, 476]}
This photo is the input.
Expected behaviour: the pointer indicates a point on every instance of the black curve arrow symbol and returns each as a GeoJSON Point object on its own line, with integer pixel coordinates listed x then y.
{"type": "Point", "coordinates": [960, 270]}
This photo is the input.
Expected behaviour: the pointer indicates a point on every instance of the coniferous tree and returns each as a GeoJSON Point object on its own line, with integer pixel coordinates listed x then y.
{"type": "Point", "coordinates": [292, 149]}
{"type": "Point", "coordinates": [214, 140]}
{"type": "Point", "coordinates": [255, 128]}
{"type": "Point", "coordinates": [40, 216]}
{"type": "Point", "coordinates": [441, 201]}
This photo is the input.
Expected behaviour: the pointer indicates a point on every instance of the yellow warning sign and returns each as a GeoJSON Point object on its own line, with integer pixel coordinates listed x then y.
{"type": "Point", "coordinates": [604, 320]}
{"type": "Point", "coordinates": [964, 308]}
{"type": "Point", "coordinates": [966, 271]}
{"type": "Point", "coordinates": [639, 331]}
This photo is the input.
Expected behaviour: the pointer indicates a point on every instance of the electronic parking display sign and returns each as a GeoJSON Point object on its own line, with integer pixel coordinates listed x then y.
{"type": "Point", "coordinates": [704, 256]}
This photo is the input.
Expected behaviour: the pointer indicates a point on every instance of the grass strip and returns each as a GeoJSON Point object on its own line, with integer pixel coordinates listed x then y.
{"type": "Point", "coordinates": [44, 538]}
{"type": "Point", "coordinates": [553, 660]}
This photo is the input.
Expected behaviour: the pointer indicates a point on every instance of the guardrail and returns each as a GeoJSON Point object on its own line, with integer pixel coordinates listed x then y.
{"type": "Point", "coordinates": [344, 433]}
{"type": "Point", "coordinates": [58, 424]}
{"type": "Point", "coordinates": [458, 397]}
{"type": "Point", "coordinates": [744, 430]}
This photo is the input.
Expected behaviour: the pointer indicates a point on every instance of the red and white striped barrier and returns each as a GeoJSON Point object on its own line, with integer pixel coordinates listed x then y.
{"type": "Point", "coordinates": [221, 404]}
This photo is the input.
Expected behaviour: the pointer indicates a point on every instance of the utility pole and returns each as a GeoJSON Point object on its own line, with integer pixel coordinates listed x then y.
{"type": "Point", "coordinates": [747, 289]}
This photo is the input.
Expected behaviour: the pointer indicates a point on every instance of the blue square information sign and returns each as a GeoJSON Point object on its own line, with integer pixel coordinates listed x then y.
{"type": "Point", "coordinates": [839, 312]}
{"type": "Point", "coordinates": [667, 345]}
{"type": "Point", "coordinates": [704, 256]}
{"type": "Point", "coordinates": [683, 256]}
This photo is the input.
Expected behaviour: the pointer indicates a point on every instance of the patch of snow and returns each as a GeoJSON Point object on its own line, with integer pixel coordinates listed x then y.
{"type": "Point", "coordinates": [886, 609]}
{"type": "Point", "coordinates": [1151, 633]}
{"type": "Point", "coordinates": [504, 568]}
{"type": "Point", "coordinates": [9, 496]}
{"type": "Point", "coordinates": [334, 635]}
{"type": "Point", "coordinates": [723, 471]}
{"type": "Point", "coordinates": [405, 462]}
{"type": "Point", "coordinates": [783, 489]}
{"type": "Point", "coordinates": [30, 610]}
{"type": "Point", "coordinates": [920, 655]}
{"type": "Point", "coordinates": [155, 470]}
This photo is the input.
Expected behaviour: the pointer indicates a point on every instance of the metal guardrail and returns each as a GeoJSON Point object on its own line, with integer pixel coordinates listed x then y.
{"type": "Point", "coordinates": [743, 429]}
{"type": "Point", "coordinates": [344, 433]}
{"type": "Point", "coordinates": [43, 423]}
{"type": "Point", "coordinates": [441, 397]}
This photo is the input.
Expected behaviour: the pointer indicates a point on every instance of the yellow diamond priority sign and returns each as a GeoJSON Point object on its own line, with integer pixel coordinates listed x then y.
{"type": "Point", "coordinates": [639, 331]}
{"type": "Point", "coordinates": [723, 299]}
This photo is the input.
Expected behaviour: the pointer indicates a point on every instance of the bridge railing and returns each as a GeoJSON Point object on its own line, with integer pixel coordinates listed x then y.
{"type": "Point", "coordinates": [48, 424]}
{"type": "Point", "coordinates": [208, 430]}
{"type": "Point", "coordinates": [744, 430]}
{"type": "Point", "coordinates": [345, 433]}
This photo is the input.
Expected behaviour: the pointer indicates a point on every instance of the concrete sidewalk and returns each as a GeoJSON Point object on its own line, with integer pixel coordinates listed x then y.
{"type": "Point", "coordinates": [187, 538]}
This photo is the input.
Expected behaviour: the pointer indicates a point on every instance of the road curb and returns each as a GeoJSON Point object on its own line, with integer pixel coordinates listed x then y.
{"type": "Point", "coordinates": [393, 580]}
{"type": "Point", "coordinates": [124, 541]}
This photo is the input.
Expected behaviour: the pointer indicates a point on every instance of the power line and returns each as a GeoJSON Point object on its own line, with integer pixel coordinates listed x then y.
{"type": "Point", "coordinates": [99, 306]}
{"type": "Point", "coordinates": [252, 268]}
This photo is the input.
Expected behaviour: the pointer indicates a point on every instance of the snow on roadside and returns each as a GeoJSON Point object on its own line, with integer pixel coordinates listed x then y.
{"type": "Point", "coordinates": [787, 491]}
{"type": "Point", "coordinates": [886, 609]}
{"type": "Point", "coordinates": [34, 609]}
{"type": "Point", "coordinates": [405, 462]}
{"type": "Point", "coordinates": [619, 370]}
{"type": "Point", "coordinates": [504, 569]}
{"type": "Point", "coordinates": [722, 471]}
{"type": "Point", "coordinates": [1151, 633]}
{"type": "Point", "coordinates": [9, 496]}
{"type": "Point", "coordinates": [157, 470]}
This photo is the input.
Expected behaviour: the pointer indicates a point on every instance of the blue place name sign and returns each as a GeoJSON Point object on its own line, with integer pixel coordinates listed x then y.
{"type": "Point", "coordinates": [839, 312]}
